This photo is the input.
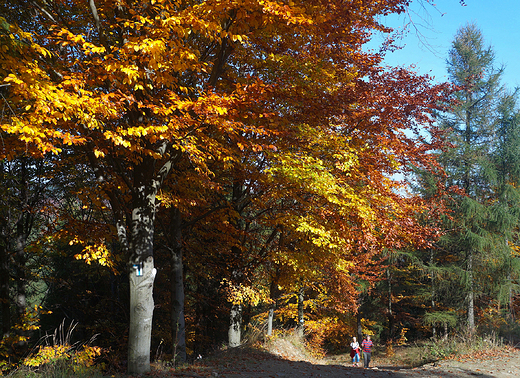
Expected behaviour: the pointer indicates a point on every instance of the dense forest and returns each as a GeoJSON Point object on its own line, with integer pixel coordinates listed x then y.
{"type": "Point", "coordinates": [177, 175]}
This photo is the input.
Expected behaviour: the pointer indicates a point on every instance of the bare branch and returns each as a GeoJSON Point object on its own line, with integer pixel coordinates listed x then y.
{"type": "Point", "coordinates": [97, 20]}
{"type": "Point", "coordinates": [93, 9]}
{"type": "Point", "coordinates": [42, 9]}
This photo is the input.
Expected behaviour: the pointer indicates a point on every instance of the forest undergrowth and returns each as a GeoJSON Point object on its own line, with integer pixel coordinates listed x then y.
{"type": "Point", "coordinates": [56, 361]}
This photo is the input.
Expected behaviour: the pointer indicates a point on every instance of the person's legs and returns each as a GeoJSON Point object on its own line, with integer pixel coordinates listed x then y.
{"type": "Point", "coordinates": [367, 359]}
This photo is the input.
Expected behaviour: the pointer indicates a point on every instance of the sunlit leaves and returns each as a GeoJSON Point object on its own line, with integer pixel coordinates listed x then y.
{"type": "Point", "coordinates": [280, 133]}
{"type": "Point", "coordinates": [238, 294]}
{"type": "Point", "coordinates": [95, 253]}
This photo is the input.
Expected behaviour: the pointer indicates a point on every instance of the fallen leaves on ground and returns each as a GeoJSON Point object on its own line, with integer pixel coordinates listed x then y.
{"type": "Point", "coordinates": [485, 354]}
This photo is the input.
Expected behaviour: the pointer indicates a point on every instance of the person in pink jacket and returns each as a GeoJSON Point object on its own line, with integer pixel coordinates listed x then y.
{"type": "Point", "coordinates": [354, 352]}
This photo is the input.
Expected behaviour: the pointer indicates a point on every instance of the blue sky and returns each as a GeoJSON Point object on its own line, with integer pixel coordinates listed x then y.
{"type": "Point", "coordinates": [427, 48]}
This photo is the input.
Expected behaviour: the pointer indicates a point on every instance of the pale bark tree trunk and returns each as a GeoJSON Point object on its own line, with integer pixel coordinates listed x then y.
{"type": "Point", "coordinates": [510, 282]}
{"type": "Point", "coordinates": [235, 325]}
{"type": "Point", "coordinates": [136, 235]}
{"type": "Point", "coordinates": [274, 292]}
{"type": "Point", "coordinates": [142, 274]}
{"type": "Point", "coordinates": [177, 289]}
{"type": "Point", "coordinates": [434, 328]}
{"type": "Point", "coordinates": [471, 295]}
{"type": "Point", "coordinates": [270, 318]}
{"type": "Point", "coordinates": [301, 320]}
{"type": "Point", "coordinates": [141, 313]}
{"type": "Point", "coordinates": [390, 310]}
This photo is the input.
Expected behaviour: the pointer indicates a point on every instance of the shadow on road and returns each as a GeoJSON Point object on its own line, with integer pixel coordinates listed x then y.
{"type": "Point", "coordinates": [258, 364]}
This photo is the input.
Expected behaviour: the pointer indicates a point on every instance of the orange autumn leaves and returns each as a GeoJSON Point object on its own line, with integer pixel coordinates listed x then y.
{"type": "Point", "coordinates": [216, 85]}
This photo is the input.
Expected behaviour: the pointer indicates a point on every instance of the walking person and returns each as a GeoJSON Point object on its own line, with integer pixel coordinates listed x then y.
{"type": "Point", "coordinates": [366, 345]}
{"type": "Point", "coordinates": [354, 352]}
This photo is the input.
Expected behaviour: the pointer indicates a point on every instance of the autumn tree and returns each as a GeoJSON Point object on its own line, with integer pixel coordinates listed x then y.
{"type": "Point", "coordinates": [138, 90]}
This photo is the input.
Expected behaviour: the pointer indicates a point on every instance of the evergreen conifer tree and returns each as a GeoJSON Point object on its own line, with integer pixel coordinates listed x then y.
{"type": "Point", "coordinates": [505, 212]}
{"type": "Point", "coordinates": [482, 221]}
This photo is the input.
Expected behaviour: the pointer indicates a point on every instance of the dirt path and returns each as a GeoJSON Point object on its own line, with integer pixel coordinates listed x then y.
{"type": "Point", "coordinates": [504, 365]}
{"type": "Point", "coordinates": [257, 364]}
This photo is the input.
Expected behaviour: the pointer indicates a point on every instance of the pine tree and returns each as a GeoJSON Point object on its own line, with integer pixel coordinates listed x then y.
{"type": "Point", "coordinates": [470, 124]}
{"type": "Point", "coordinates": [505, 212]}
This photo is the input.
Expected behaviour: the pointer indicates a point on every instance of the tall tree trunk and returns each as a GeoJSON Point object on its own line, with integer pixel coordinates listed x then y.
{"type": "Point", "coordinates": [471, 295]}
{"type": "Point", "coordinates": [20, 300]}
{"type": "Point", "coordinates": [136, 234]}
{"type": "Point", "coordinates": [359, 325]}
{"type": "Point", "coordinates": [5, 303]}
{"type": "Point", "coordinates": [390, 310]}
{"type": "Point", "coordinates": [270, 318]}
{"type": "Point", "coordinates": [274, 293]}
{"type": "Point", "coordinates": [434, 328]}
{"type": "Point", "coordinates": [141, 312]}
{"type": "Point", "coordinates": [177, 288]}
{"type": "Point", "coordinates": [301, 320]}
{"type": "Point", "coordinates": [235, 325]}
{"type": "Point", "coordinates": [359, 316]}
{"type": "Point", "coordinates": [510, 283]}
{"type": "Point", "coordinates": [20, 257]}
{"type": "Point", "coordinates": [511, 311]}
{"type": "Point", "coordinates": [20, 262]}
{"type": "Point", "coordinates": [142, 274]}
{"type": "Point", "coordinates": [5, 307]}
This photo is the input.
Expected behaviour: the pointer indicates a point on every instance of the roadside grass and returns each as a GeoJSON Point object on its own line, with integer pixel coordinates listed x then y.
{"type": "Point", "coordinates": [429, 351]}
{"type": "Point", "coordinates": [72, 364]}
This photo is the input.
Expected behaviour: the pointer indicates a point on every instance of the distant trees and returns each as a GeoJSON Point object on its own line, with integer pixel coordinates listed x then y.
{"type": "Point", "coordinates": [26, 214]}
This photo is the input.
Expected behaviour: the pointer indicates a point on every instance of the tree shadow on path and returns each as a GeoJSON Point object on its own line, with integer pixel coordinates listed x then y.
{"type": "Point", "coordinates": [250, 363]}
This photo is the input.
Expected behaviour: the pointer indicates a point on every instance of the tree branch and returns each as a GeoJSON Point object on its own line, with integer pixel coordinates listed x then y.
{"type": "Point", "coordinates": [42, 9]}
{"type": "Point", "coordinates": [97, 20]}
